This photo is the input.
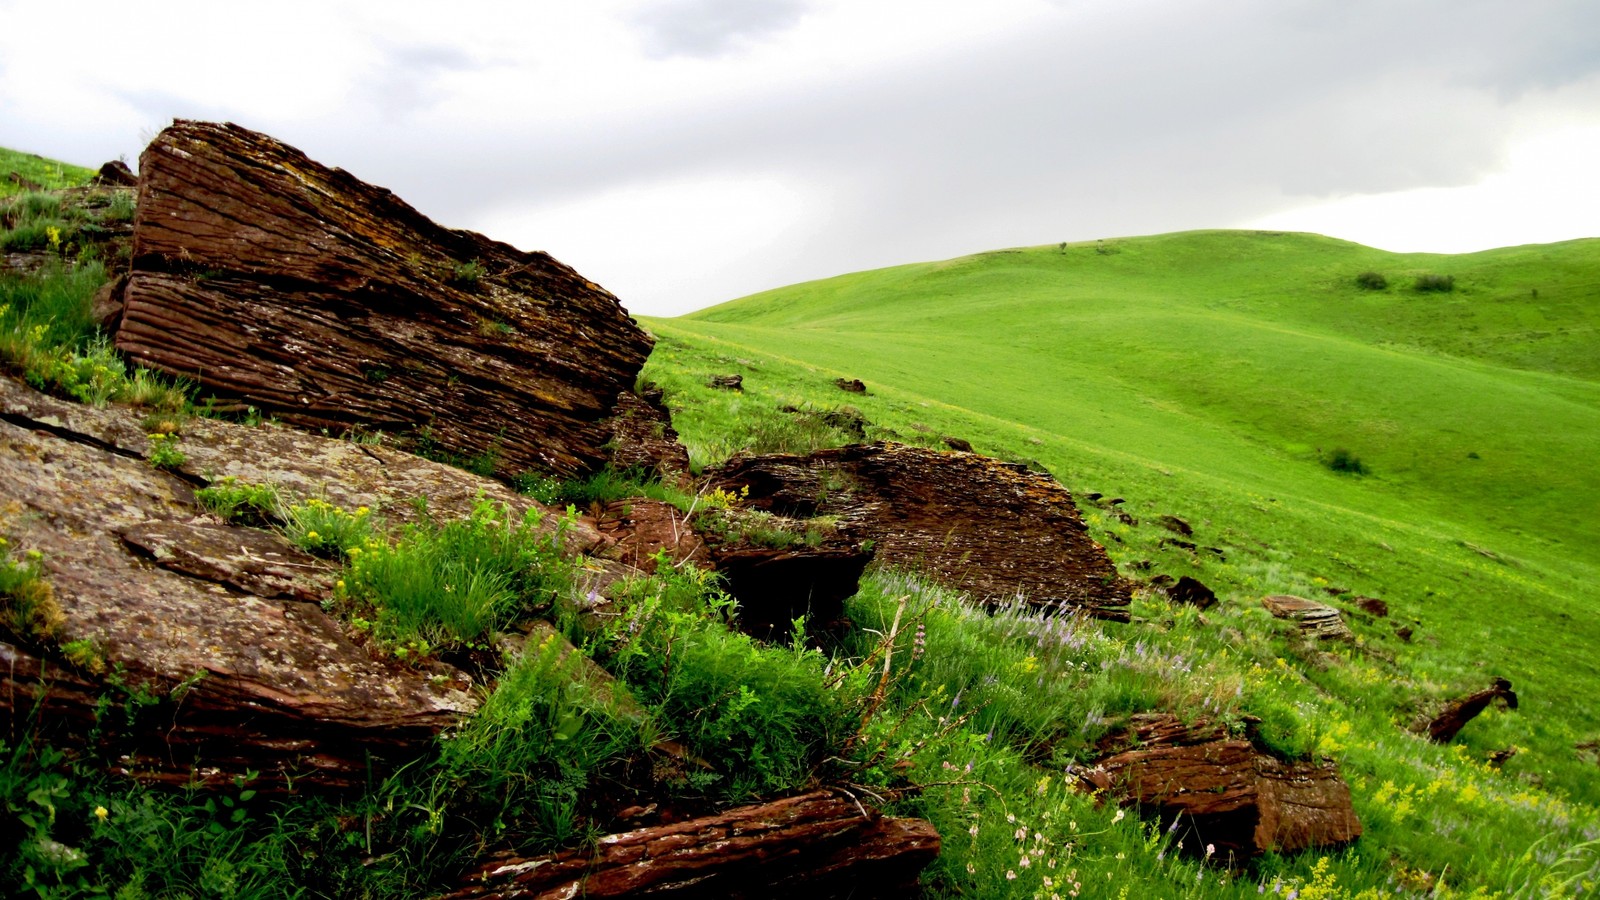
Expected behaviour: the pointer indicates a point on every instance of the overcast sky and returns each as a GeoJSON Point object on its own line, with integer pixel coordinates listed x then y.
{"type": "Point", "coordinates": [687, 152]}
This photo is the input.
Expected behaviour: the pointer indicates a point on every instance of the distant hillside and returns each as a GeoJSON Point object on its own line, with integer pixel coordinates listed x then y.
{"type": "Point", "coordinates": [1222, 376]}
{"type": "Point", "coordinates": [18, 169]}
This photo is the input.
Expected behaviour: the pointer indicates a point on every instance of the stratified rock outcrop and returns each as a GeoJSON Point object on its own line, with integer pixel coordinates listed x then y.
{"type": "Point", "coordinates": [815, 846]}
{"type": "Point", "coordinates": [329, 303]}
{"type": "Point", "coordinates": [1223, 792]}
{"type": "Point", "coordinates": [992, 528]}
{"type": "Point", "coordinates": [210, 635]}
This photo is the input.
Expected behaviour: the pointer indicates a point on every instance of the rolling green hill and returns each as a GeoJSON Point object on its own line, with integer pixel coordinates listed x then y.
{"type": "Point", "coordinates": [1212, 375]}
{"type": "Point", "coordinates": [47, 173]}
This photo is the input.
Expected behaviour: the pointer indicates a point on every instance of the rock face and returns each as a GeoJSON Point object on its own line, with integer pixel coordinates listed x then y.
{"type": "Point", "coordinates": [329, 303]}
{"type": "Point", "coordinates": [989, 527]}
{"type": "Point", "coordinates": [1224, 792]}
{"type": "Point", "coordinates": [814, 846]}
{"type": "Point", "coordinates": [1317, 621]}
{"type": "Point", "coordinates": [642, 437]}
{"type": "Point", "coordinates": [217, 628]}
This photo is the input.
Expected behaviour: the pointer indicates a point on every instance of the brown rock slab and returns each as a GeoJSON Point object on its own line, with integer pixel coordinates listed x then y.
{"type": "Point", "coordinates": [850, 385]}
{"type": "Point", "coordinates": [116, 174]}
{"type": "Point", "coordinates": [726, 382]}
{"type": "Point", "coordinates": [639, 528]}
{"type": "Point", "coordinates": [1223, 791]}
{"type": "Point", "coordinates": [1318, 621]}
{"type": "Point", "coordinates": [1372, 606]}
{"type": "Point", "coordinates": [992, 528]}
{"type": "Point", "coordinates": [1443, 728]}
{"type": "Point", "coordinates": [814, 846]}
{"type": "Point", "coordinates": [331, 304]}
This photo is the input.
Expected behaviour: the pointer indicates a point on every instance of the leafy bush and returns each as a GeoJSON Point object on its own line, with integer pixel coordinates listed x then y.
{"type": "Point", "coordinates": [1442, 284]}
{"type": "Point", "coordinates": [1342, 460]}
{"type": "Point", "coordinates": [1371, 281]}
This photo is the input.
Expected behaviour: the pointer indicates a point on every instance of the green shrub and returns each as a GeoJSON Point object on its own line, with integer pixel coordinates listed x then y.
{"type": "Point", "coordinates": [1371, 281]}
{"type": "Point", "coordinates": [1342, 460]}
{"type": "Point", "coordinates": [1442, 284]}
{"type": "Point", "coordinates": [241, 503]}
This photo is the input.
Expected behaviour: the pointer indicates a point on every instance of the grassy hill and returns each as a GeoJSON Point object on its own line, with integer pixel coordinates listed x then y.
{"type": "Point", "coordinates": [47, 173]}
{"type": "Point", "coordinates": [1213, 375]}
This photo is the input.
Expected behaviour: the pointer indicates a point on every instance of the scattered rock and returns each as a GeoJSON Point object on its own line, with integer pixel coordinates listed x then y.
{"type": "Point", "coordinates": [811, 847]}
{"type": "Point", "coordinates": [727, 382]}
{"type": "Point", "coordinates": [1175, 525]}
{"type": "Point", "coordinates": [1316, 620]}
{"type": "Point", "coordinates": [1498, 758]}
{"type": "Point", "coordinates": [985, 526]}
{"type": "Point", "coordinates": [1404, 633]}
{"type": "Point", "coordinates": [850, 385]}
{"type": "Point", "coordinates": [1372, 606]}
{"type": "Point", "coordinates": [329, 303]}
{"type": "Point", "coordinates": [1191, 591]}
{"type": "Point", "coordinates": [955, 443]}
{"type": "Point", "coordinates": [1444, 727]}
{"type": "Point", "coordinates": [1190, 546]}
{"type": "Point", "coordinates": [116, 174]}
{"type": "Point", "coordinates": [26, 184]}
{"type": "Point", "coordinates": [1224, 792]}
{"type": "Point", "coordinates": [1124, 518]}
{"type": "Point", "coordinates": [1093, 496]}
{"type": "Point", "coordinates": [1162, 582]}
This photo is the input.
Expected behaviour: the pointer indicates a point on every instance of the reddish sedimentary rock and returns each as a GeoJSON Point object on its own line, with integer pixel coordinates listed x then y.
{"type": "Point", "coordinates": [1443, 728]}
{"type": "Point", "coordinates": [329, 303]}
{"type": "Point", "coordinates": [1318, 621]}
{"type": "Point", "coordinates": [815, 846]}
{"type": "Point", "coordinates": [992, 528]}
{"type": "Point", "coordinates": [1223, 792]}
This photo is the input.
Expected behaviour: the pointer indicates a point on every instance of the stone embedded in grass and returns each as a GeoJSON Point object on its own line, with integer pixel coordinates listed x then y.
{"type": "Point", "coordinates": [1193, 592]}
{"type": "Point", "coordinates": [1316, 620]}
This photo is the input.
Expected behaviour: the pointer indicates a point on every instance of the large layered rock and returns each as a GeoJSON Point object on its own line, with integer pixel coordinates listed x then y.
{"type": "Point", "coordinates": [210, 636]}
{"type": "Point", "coordinates": [989, 527]}
{"type": "Point", "coordinates": [1223, 792]}
{"type": "Point", "coordinates": [815, 846]}
{"type": "Point", "coordinates": [330, 303]}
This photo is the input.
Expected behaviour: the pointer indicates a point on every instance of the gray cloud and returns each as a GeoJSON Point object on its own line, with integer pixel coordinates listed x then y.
{"type": "Point", "coordinates": [404, 83]}
{"type": "Point", "coordinates": [708, 28]}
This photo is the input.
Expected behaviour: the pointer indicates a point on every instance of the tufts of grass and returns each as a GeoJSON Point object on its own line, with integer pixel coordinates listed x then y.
{"type": "Point", "coordinates": [28, 607]}
{"type": "Point", "coordinates": [1434, 283]}
{"type": "Point", "coordinates": [1371, 281]}
{"type": "Point", "coordinates": [243, 503]}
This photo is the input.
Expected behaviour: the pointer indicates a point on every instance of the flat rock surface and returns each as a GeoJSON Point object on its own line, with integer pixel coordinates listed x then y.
{"type": "Point", "coordinates": [1316, 620]}
{"type": "Point", "coordinates": [228, 617]}
{"type": "Point", "coordinates": [992, 528]}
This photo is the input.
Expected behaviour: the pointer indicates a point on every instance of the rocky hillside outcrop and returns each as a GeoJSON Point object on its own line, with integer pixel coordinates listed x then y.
{"type": "Point", "coordinates": [994, 529]}
{"type": "Point", "coordinates": [281, 284]}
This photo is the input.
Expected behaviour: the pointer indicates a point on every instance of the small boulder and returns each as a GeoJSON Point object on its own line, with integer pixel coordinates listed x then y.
{"type": "Point", "coordinates": [1223, 792]}
{"type": "Point", "coordinates": [955, 443]}
{"type": "Point", "coordinates": [850, 385]}
{"type": "Point", "coordinates": [1372, 606]}
{"type": "Point", "coordinates": [1175, 525]}
{"type": "Point", "coordinates": [1316, 620]}
{"type": "Point", "coordinates": [726, 382]}
{"type": "Point", "coordinates": [1193, 592]}
{"type": "Point", "coordinates": [116, 174]}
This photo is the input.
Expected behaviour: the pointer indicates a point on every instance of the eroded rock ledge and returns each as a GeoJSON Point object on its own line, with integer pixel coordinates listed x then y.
{"type": "Point", "coordinates": [992, 528]}
{"type": "Point", "coordinates": [330, 303]}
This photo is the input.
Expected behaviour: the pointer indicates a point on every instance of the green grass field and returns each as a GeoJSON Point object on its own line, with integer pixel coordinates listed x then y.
{"type": "Point", "coordinates": [46, 173]}
{"type": "Point", "coordinates": [1210, 375]}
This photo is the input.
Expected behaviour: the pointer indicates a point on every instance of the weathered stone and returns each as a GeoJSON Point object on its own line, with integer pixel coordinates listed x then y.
{"type": "Point", "coordinates": [1318, 621]}
{"type": "Point", "coordinates": [776, 586]}
{"type": "Point", "coordinates": [638, 529]}
{"type": "Point", "coordinates": [1443, 728]}
{"type": "Point", "coordinates": [814, 846]}
{"type": "Point", "coordinates": [988, 527]}
{"type": "Point", "coordinates": [1372, 606]}
{"type": "Point", "coordinates": [247, 677]}
{"type": "Point", "coordinates": [960, 445]}
{"type": "Point", "coordinates": [1175, 525]}
{"type": "Point", "coordinates": [642, 438]}
{"type": "Point", "coordinates": [329, 303]}
{"type": "Point", "coordinates": [1193, 592]}
{"type": "Point", "coordinates": [727, 382]}
{"type": "Point", "coordinates": [1224, 792]}
{"type": "Point", "coordinates": [116, 174]}
{"type": "Point", "coordinates": [220, 624]}
{"type": "Point", "coordinates": [850, 385]}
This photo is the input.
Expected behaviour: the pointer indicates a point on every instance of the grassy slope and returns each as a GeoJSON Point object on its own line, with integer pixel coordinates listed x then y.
{"type": "Point", "coordinates": [1200, 373]}
{"type": "Point", "coordinates": [45, 172]}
